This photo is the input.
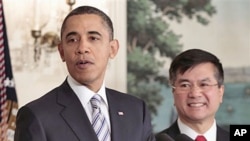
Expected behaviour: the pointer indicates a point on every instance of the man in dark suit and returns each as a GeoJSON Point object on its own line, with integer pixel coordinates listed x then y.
{"type": "Point", "coordinates": [197, 80]}
{"type": "Point", "coordinates": [65, 113]}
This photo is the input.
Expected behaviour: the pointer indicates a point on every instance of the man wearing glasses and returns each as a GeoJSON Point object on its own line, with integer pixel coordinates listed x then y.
{"type": "Point", "coordinates": [197, 78]}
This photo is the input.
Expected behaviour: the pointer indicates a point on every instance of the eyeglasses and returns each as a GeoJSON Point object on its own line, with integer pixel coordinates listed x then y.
{"type": "Point", "coordinates": [187, 87]}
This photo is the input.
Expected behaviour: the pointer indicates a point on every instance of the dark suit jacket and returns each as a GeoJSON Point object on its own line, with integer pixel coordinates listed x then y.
{"type": "Point", "coordinates": [59, 116]}
{"type": "Point", "coordinates": [173, 131]}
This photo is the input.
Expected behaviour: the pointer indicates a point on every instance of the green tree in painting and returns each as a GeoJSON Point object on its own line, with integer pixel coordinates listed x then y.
{"type": "Point", "coordinates": [150, 39]}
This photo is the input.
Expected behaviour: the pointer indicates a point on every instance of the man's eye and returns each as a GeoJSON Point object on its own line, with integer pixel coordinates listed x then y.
{"type": "Point", "coordinates": [72, 40]}
{"type": "Point", "coordinates": [204, 85]}
{"type": "Point", "coordinates": [93, 38]}
{"type": "Point", "coordinates": [184, 85]}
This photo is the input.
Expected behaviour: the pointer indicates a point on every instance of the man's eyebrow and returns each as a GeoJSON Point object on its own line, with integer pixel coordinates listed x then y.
{"type": "Point", "coordinates": [205, 79]}
{"type": "Point", "coordinates": [95, 32]}
{"type": "Point", "coordinates": [71, 33]}
{"type": "Point", "coordinates": [182, 80]}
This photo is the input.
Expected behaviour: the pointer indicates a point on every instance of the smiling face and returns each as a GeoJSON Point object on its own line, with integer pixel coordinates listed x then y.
{"type": "Point", "coordinates": [86, 48]}
{"type": "Point", "coordinates": [200, 103]}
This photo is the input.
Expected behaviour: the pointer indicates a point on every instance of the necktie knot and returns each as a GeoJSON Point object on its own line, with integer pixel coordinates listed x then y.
{"type": "Point", "coordinates": [200, 138]}
{"type": "Point", "coordinates": [95, 101]}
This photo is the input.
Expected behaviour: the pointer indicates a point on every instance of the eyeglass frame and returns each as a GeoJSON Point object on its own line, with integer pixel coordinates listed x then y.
{"type": "Point", "coordinates": [206, 87]}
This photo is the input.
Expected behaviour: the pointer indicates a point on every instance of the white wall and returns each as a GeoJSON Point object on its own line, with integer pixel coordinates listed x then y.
{"type": "Point", "coordinates": [32, 83]}
{"type": "Point", "coordinates": [227, 35]}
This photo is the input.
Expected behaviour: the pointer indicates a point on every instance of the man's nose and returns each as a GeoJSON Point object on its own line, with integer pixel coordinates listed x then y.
{"type": "Point", "coordinates": [83, 47]}
{"type": "Point", "coordinates": [195, 91]}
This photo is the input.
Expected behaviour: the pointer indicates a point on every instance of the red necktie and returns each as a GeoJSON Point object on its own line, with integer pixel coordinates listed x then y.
{"type": "Point", "coordinates": [200, 138]}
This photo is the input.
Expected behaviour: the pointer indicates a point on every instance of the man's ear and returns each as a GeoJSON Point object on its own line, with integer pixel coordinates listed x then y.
{"type": "Point", "coordinates": [114, 47]}
{"type": "Point", "coordinates": [61, 52]}
{"type": "Point", "coordinates": [221, 92]}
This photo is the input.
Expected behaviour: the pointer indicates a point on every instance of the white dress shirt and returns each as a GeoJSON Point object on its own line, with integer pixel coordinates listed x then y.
{"type": "Point", "coordinates": [210, 135]}
{"type": "Point", "coordinates": [85, 94]}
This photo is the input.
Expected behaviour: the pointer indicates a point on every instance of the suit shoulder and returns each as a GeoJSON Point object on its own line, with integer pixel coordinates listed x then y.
{"type": "Point", "coordinates": [166, 131]}
{"type": "Point", "coordinates": [173, 130]}
{"type": "Point", "coordinates": [222, 134]}
{"type": "Point", "coordinates": [43, 101]}
{"type": "Point", "coordinates": [122, 95]}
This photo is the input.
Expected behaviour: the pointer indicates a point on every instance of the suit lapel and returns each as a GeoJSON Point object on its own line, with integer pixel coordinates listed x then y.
{"type": "Point", "coordinates": [117, 117]}
{"type": "Point", "coordinates": [74, 115]}
{"type": "Point", "coordinates": [173, 130]}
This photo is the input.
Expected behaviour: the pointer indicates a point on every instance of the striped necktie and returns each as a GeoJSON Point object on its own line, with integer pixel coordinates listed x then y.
{"type": "Point", "coordinates": [99, 122]}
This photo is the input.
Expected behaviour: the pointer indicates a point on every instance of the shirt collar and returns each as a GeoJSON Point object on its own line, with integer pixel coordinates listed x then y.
{"type": "Point", "coordinates": [210, 134]}
{"type": "Point", "coordinates": [84, 93]}
{"type": "Point", "coordinates": [102, 93]}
